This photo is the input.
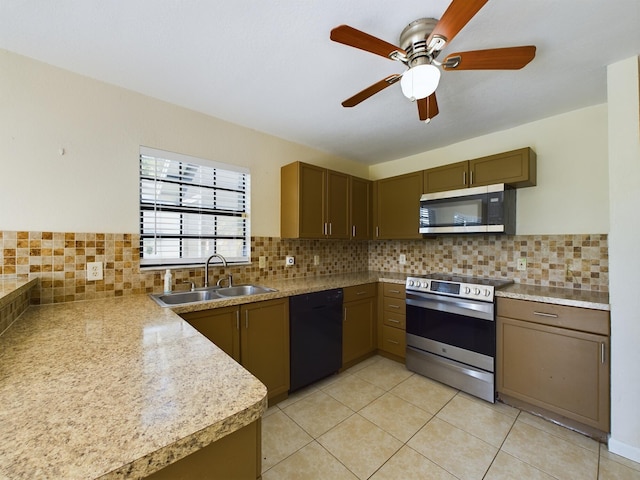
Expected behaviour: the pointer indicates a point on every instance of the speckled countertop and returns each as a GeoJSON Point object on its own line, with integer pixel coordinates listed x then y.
{"type": "Point", "coordinates": [12, 286]}
{"type": "Point", "coordinates": [113, 388]}
{"type": "Point", "coordinates": [116, 388]}
{"type": "Point", "coordinates": [557, 296]}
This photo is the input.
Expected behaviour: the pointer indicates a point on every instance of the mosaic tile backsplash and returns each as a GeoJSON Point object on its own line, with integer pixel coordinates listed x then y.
{"type": "Point", "coordinates": [59, 260]}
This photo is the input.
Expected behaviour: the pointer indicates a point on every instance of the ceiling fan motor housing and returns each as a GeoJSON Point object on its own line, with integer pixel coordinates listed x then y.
{"type": "Point", "coordinates": [413, 40]}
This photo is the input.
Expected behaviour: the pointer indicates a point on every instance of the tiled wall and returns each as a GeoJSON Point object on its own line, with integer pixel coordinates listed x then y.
{"type": "Point", "coordinates": [59, 259]}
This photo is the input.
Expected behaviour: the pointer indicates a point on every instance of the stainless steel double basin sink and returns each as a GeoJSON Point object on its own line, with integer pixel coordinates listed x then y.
{"type": "Point", "coordinates": [210, 293]}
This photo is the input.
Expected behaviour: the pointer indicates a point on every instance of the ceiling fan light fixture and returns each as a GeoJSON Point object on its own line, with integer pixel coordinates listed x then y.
{"type": "Point", "coordinates": [420, 81]}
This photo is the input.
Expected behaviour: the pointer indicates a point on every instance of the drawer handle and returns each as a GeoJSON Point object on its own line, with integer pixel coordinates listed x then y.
{"type": "Point", "coordinates": [360, 293]}
{"type": "Point", "coordinates": [392, 320]}
{"type": "Point", "coordinates": [394, 306]}
{"type": "Point", "coordinates": [393, 341]}
{"type": "Point", "coordinates": [394, 291]}
{"type": "Point", "coordinates": [542, 314]}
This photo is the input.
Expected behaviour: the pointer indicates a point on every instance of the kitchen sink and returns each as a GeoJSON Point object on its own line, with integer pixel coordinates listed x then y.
{"type": "Point", "coordinates": [240, 290]}
{"type": "Point", "coordinates": [206, 294]}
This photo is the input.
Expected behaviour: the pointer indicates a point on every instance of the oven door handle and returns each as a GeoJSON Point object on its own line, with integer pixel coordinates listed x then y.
{"type": "Point", "coordinates": [480, 310]}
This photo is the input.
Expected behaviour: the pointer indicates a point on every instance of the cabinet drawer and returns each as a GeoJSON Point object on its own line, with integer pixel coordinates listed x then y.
{"type": "Point", "coordinates": [394, 340]}
{"type": "Point", "coordinates": [394, 320]}
{"type": "Point", "coordinates": [394, 305]}
{"type": "Point", "coordinates": [574, 318]}
{"type": "Point", "coordinates": [358, 292]}
{"type": "Point", "coordinates": [395, 290]}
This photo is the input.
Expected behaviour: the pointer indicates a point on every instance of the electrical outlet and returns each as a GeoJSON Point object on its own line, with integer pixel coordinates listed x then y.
{"type": "Point", "coordinates": [94, 271]}
{"type": "Point", "coordinates": [262, 262]}
{"type": "Point", "coordinates": [403, 259]}
{"type": "Point", "coordinates": [521, 264]}
{"type": "Point", "coordinates": [316, 259]}
{"type": "Point", "coordinates": [289, 260]}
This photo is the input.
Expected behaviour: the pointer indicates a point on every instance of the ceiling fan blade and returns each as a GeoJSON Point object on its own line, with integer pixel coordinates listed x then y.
{"type": "Point", "coordinates": [455, 17]}
{"type": "Point", "coordinates": [355, 38]}
{"type": "Point", "coordinates": [372, 90]}
{"type": "Point", "coordinates": [510, 58]}
{"type": "Point", "coordinates": [428, 107]}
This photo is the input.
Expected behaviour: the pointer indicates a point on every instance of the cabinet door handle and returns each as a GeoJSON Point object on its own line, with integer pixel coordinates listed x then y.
{"type": "Point", "coordinates": [345, 314]}
{"type": "Point", "coordinates": [464, 178]}
{"type": "Point", "coordinates": [392, 320]}
{"type": "Point", "coordinates": [543, 314]}
{"type": "Point", "coordinates": [246, 319]}
{"type": "Point", "coordinates": [353, 231]}
{"type": "Point", "coordinates": [602, 347]}
{"type": "Point", "coordinates": [324, 228]}
{"type": "Point", "coordinates": [393, 341]}
{"type": "Point", "coordinates": [377, 231]}
{"type": "Point", "coordinates": [329, 228]}
{"type": "Point", "coordinates": [237, 319]}
{"type": "Point", "coordinates": [471, 177]}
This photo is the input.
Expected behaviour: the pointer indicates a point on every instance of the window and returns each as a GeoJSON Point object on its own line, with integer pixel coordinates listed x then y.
{"type": "Point", "coordinates": [191, 208]}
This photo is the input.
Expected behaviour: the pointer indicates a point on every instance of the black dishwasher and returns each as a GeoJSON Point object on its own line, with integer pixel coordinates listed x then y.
{"type": "Point", "coordinates": [315, 320]}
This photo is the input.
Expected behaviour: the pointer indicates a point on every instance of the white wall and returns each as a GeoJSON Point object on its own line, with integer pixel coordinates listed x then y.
{"type": "Point", "coordinates": [93, 187]}
{"type": "Point", "coordinates": [571, 195]}
{"type": "Point", "coordinates": [623, 92]}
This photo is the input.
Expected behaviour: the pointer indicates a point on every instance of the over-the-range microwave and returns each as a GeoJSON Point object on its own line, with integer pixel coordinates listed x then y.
{"type": "Point", "coordinates": [485, 209]}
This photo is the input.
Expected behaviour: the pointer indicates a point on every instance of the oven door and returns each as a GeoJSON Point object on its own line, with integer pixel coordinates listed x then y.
{"type": "Point", "coordinates": [461, 330]}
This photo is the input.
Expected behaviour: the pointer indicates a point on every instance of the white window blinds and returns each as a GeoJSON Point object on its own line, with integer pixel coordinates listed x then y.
{"type": "Point", "coordinates": [191, 208]}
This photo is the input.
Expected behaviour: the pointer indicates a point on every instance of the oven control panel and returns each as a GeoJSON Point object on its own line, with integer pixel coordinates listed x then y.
{"type": "Point", "coordinates": [454, 289]}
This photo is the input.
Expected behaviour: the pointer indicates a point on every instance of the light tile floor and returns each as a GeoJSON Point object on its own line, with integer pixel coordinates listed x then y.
{"type": "Point", "coordinates": [380, 421]}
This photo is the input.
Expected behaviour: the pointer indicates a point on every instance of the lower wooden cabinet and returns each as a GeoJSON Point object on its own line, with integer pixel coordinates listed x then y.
{"type": "Point", "coordinates": [237, 455]}
{"type": "Point", "coordinates": [358, 323]}
{"type": "Point", "coordinates": [556, 358]}
{"type": "Point", "coordinates": [255, 334]}
{"type": "Point", "coordinates": [392, 320]}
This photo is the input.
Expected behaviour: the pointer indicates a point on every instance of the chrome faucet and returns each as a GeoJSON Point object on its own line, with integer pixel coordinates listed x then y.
{"type": "Point", "coordinates": [206, 269]}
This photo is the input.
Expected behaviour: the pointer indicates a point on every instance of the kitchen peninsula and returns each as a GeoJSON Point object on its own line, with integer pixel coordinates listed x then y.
{"type": "Point", "coordinates": [115, 388]}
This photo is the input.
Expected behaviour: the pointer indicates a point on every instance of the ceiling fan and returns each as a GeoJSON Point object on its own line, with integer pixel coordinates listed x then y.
{"type": "Point", "coordinates": [420, 43]}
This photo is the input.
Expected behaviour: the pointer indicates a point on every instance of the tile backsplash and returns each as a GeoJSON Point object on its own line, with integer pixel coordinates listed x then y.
{"type": "Point", "coordinates": [59, 259]}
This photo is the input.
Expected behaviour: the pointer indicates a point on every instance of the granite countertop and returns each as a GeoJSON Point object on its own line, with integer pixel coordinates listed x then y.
{"type": "Point", "coordinates": [12, 286]}
{"type": "Point", "coordinates": [556, 296]}
{"type": "Point", "coordinates": [296, 286]}
{"type": "Point", "coordinates": [114, 388]}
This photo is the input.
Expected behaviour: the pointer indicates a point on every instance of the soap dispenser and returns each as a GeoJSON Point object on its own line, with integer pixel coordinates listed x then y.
{"type": "Point", "coordinates": [167, 281]}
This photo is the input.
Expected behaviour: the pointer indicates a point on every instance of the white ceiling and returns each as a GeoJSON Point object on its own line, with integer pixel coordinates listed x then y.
{"type": "Point", "coordinates": [270, 66]}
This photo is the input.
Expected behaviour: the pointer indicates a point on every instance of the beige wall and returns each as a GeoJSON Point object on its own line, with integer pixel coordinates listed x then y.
{"type": "Point", "coordinates": [572, 191]}
{"type": "Point", "coordinates": [93, 187]}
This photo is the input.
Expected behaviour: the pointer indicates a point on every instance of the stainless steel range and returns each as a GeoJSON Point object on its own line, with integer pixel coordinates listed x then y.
{"type": "Point", "coordinates": [451, 331]}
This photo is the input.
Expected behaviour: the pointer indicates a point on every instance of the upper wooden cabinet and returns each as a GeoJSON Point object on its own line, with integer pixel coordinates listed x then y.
{"type": "Point", "coordinates": [360, 202]}
{"type": "Point", "coordinates": [397, 206]}
{"type": "Point", "coordinates": [516, 168]}
{"type": "Point", "coordinates": [319, 203]}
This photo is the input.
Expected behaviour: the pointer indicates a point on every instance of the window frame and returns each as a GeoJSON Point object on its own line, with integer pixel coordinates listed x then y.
{"type": "Point", "coordinates": [155, 188]}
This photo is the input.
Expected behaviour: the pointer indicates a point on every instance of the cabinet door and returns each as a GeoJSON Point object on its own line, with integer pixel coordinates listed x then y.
{"type": "Point", "coordinates": [360, 208]}
{"type": "Point", "coordinates": [561, 370]}
{"type": "Point", "coordinates": [447, 177]}
{"type": "Point", "coordinates": [397, 206]}
{"type": "Point", "coordinates": [264, 342]}
{"type": "Point", "coordinates": [302, 196]}
{"type": "Point", "coordinates": [358, 331]}
{"type": "Point", "coordinates": [516, 168]}
{"type": "Point", "coordinates": [221, 326]}
{"type": "Point", "coordinates": [337, 202]}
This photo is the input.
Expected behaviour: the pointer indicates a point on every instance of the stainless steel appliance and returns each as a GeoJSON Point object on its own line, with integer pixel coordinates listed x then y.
{"type": "Point", "coordinates": [486, 209]}
{"type": "Point", "coordinates": [451, 331]}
